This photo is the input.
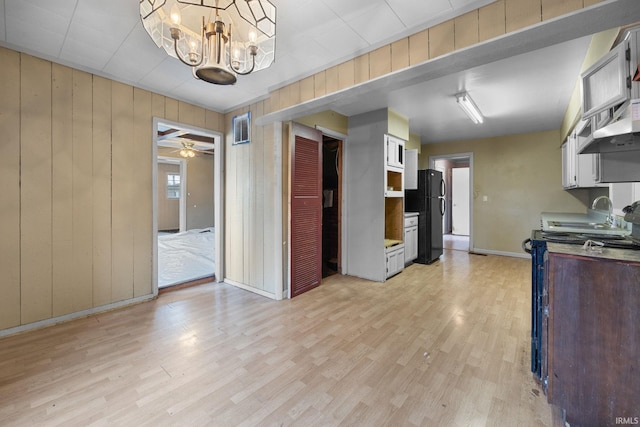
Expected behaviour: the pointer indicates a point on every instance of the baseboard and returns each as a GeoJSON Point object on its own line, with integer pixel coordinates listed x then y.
{"type": "Point", "coordinates": [501, 253]}
{"type": "Point", "coordinates": [249, 288]}
{"type": "Point", "coordinates": [72, 316]}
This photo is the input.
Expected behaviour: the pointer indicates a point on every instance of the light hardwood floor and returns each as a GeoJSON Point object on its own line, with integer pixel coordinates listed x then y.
{"type": "Point", "coordinates": [440, 345]}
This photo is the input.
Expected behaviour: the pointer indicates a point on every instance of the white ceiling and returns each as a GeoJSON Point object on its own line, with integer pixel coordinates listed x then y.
{"type": "Point", "coordinates": [520, 94]}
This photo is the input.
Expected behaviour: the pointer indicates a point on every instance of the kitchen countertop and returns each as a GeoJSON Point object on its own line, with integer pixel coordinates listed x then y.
{"type": "Point", "coordinates": [607, 253]}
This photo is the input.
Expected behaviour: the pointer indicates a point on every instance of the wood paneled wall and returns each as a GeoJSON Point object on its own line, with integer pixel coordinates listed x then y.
{"type": "Point", "coordinates": [494, 20]}
{"type": "Point", "coordinates": [251, 198]}
{"type": "Point", "coordinates": [76, 205]}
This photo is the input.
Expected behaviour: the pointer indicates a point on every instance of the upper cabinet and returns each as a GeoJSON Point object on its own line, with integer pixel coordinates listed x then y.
{"type": "Point", "coordinates": [411, 169]}
{"type": "Point", "coordinates": [394, 166]}
{"type": "Point", "coordinates": [607, 83]}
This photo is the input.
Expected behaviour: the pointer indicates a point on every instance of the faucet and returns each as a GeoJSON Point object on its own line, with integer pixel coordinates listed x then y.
{"type": "Point", "coordinates": [595, 203]}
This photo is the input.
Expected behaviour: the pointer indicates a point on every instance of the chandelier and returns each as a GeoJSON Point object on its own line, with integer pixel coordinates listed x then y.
{"type": "Point", "coordinates": [199, 33]}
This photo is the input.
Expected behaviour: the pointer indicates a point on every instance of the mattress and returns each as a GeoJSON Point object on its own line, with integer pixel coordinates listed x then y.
{"type": "Point", "coordinates": [187, 256]}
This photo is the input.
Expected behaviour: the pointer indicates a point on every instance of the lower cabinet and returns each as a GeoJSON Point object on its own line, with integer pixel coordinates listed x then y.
{"type": "Point", "coordinates": [591, 338]}
{"type": "Point", "coordinates": [395, 259]}
{"type": "Point", "coordinates": [410, 243]}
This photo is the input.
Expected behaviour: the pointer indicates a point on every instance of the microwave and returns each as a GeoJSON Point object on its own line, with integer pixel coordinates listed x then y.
{"type": "Point", "coordinates": [394, 148]}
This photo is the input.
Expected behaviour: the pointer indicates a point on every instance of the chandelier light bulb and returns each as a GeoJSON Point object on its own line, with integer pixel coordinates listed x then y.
{"type": "Point", "coordinates": [252, 37]}
{"type": "Point", "coordinates": [176, 18]}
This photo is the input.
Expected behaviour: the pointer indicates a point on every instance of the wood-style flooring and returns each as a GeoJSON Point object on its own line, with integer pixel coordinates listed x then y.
{"type": "Point", "coordinates": [440, 345]}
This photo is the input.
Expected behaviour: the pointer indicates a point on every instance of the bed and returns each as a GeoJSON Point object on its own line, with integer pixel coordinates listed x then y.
{"type": "Point", "coordinates": [186, 256]}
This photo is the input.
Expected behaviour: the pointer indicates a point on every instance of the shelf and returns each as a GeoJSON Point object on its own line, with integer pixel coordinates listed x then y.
{"type": "Point", "coordinates": [390, 242]}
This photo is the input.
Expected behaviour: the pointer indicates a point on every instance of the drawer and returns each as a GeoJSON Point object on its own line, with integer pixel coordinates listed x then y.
{"type": "Point", "coordinates": [411, 221]}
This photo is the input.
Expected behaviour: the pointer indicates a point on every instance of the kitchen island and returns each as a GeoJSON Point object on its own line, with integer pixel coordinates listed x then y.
{"type": "Point", "coordinates": [591, 333]}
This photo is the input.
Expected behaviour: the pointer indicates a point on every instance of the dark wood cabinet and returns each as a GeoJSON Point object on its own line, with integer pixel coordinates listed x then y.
{"type": "Point", "coordinates": [591, 339]}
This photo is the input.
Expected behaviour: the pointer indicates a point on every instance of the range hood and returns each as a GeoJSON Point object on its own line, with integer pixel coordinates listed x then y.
{"type": "Point", "coordinates": [620, 135]}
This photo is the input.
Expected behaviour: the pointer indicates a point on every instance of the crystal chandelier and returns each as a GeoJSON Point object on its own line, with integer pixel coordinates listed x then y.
{"type": "Point", "coordinates": [199, 33]}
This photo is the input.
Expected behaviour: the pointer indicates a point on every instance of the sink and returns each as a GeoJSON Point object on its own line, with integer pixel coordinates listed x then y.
{"type": "Point", "coordinates": [582, 225]}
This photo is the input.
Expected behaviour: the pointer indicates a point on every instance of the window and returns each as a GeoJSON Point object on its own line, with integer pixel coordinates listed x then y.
{"type": "Point", "coordinates": [173, 185]}
{"type": "Point", "coordinates": [242, 128]}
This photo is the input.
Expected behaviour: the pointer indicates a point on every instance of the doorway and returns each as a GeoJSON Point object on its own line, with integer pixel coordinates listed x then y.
{"type": "Point", "coordinates": [331, 206]}
{"type": "Point", "coordinates": [457, 172]}
{"type": "Point", "coordinates": [187, 243]}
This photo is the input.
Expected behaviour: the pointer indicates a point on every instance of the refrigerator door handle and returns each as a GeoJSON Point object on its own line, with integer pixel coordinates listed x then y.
{"type": "Point", "coordinates": [443, 204]}
{"type": "Point", "coordinates": [443, 188]}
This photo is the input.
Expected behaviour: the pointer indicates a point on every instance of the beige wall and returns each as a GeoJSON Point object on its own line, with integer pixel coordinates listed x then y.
{"type": "Point", "coordinates": [200, 195]}
{"type": "Point", "coordinates": [521, 176]}
{"type": "Point", "coordinates": [168, 209]}
{"type": "Point", "coordinates": [76, 206]}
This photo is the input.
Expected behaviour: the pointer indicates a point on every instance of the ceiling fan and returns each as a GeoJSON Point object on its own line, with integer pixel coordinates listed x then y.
{"type": "Point", "coordinates": [184, 143]}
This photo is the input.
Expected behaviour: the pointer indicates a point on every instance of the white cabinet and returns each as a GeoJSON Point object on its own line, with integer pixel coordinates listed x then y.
{"type": "Point", "coordinates": [410, 239]}
{"type": "Point", "coordinates": [411, 170]}
{"type": "Point", "coordinates": [395, 259]}
{"type": "Point", "coordinates": [604, 84]}
{"type": "Point", "coordinates": [580, 170]}
{"type": "Point", "coordinates": [394, 166]}
{"type": "Point", "coordinates": [394, 151]}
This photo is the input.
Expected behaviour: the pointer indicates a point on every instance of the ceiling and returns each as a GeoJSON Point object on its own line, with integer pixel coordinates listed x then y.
{"type": "Point", "coordinates": [522, 93]}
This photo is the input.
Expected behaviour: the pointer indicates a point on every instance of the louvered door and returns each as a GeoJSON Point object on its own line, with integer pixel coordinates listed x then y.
{"type": "Point", "coordinates": [306, 209]}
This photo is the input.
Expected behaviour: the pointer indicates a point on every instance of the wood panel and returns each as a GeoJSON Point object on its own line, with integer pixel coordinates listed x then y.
{"type": "Point", "coordinates": [186, 113]}
{"type": "Point", "coordinates": [555, 8]}
{"type": "Point", "coordinates": [331, 79]}
{"type": "Point", "coordinates": [171, 109]}
{"type": "Point", "coordinates": [10, 194]}
{"type": "Point", "coordinates": [591, 2]}
{"type": "Point", "coordinates": [271, 200]}
{"type": "Point", "coordinates": [380, 62]}
{"type": "Point", "coordinates": [466, 30]}
{"type": "Point", "coordinates": [522, 13]}
{"type": "Point", "coordinates": [319, 84]}
{"type": "Point", "coordinates": [346, 75]}
{"type": "Point", "coordinates": [62, 190]}
{"type": "Point", "coordinates": [307, 89]}
{"type": "Point", "coordinates": [244, 178]}
{"type": "Point", "coordinates": [361, 68]}
{"type": "Point", "coordinates": [143, 220]}
{"type": "Point", "coordinates": [35, 189]}
{"type": "Point", "coordinates": [400, 54]}
{"type": "Point", "coordinates": [441, 39]}
{"type": "Point", "coordinates": [124, 203]}
{"type": "Point", "coordinates": [233, 209]}
{"type": "Point", "coordinates": [491, 21]}
{"type": "Point", "coordinates": [257, 226]}
{"type": "Point", "coordinates": [419, 47]}
{"type": "Point", "coordinates": [101, 204]}
{"type": "Point", "coordinates": [82, 191]}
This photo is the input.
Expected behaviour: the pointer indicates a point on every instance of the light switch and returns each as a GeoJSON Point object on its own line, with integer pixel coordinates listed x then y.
{"type": "Point", "coordinates": [485, 198]}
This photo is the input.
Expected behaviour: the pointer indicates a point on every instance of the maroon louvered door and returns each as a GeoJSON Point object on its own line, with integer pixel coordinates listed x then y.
{"type": "Point", "coordinates": [306, 209]}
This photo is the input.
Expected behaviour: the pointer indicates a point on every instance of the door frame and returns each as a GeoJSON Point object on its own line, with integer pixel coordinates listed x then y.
{"type": "Point", "coordinates": [469, 156]}
{"type": "Point", "coordinates": [218, 195]}
{"type": "Point", "coordinates": [343, 193]}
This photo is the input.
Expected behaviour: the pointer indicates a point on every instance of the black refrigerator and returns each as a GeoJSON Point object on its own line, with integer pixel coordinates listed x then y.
{"type": "Point", "coordinates": [428, 200]}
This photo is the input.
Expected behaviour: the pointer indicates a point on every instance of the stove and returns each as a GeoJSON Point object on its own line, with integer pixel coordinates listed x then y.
{"type": "Point", "coordinates": [537, 246]}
